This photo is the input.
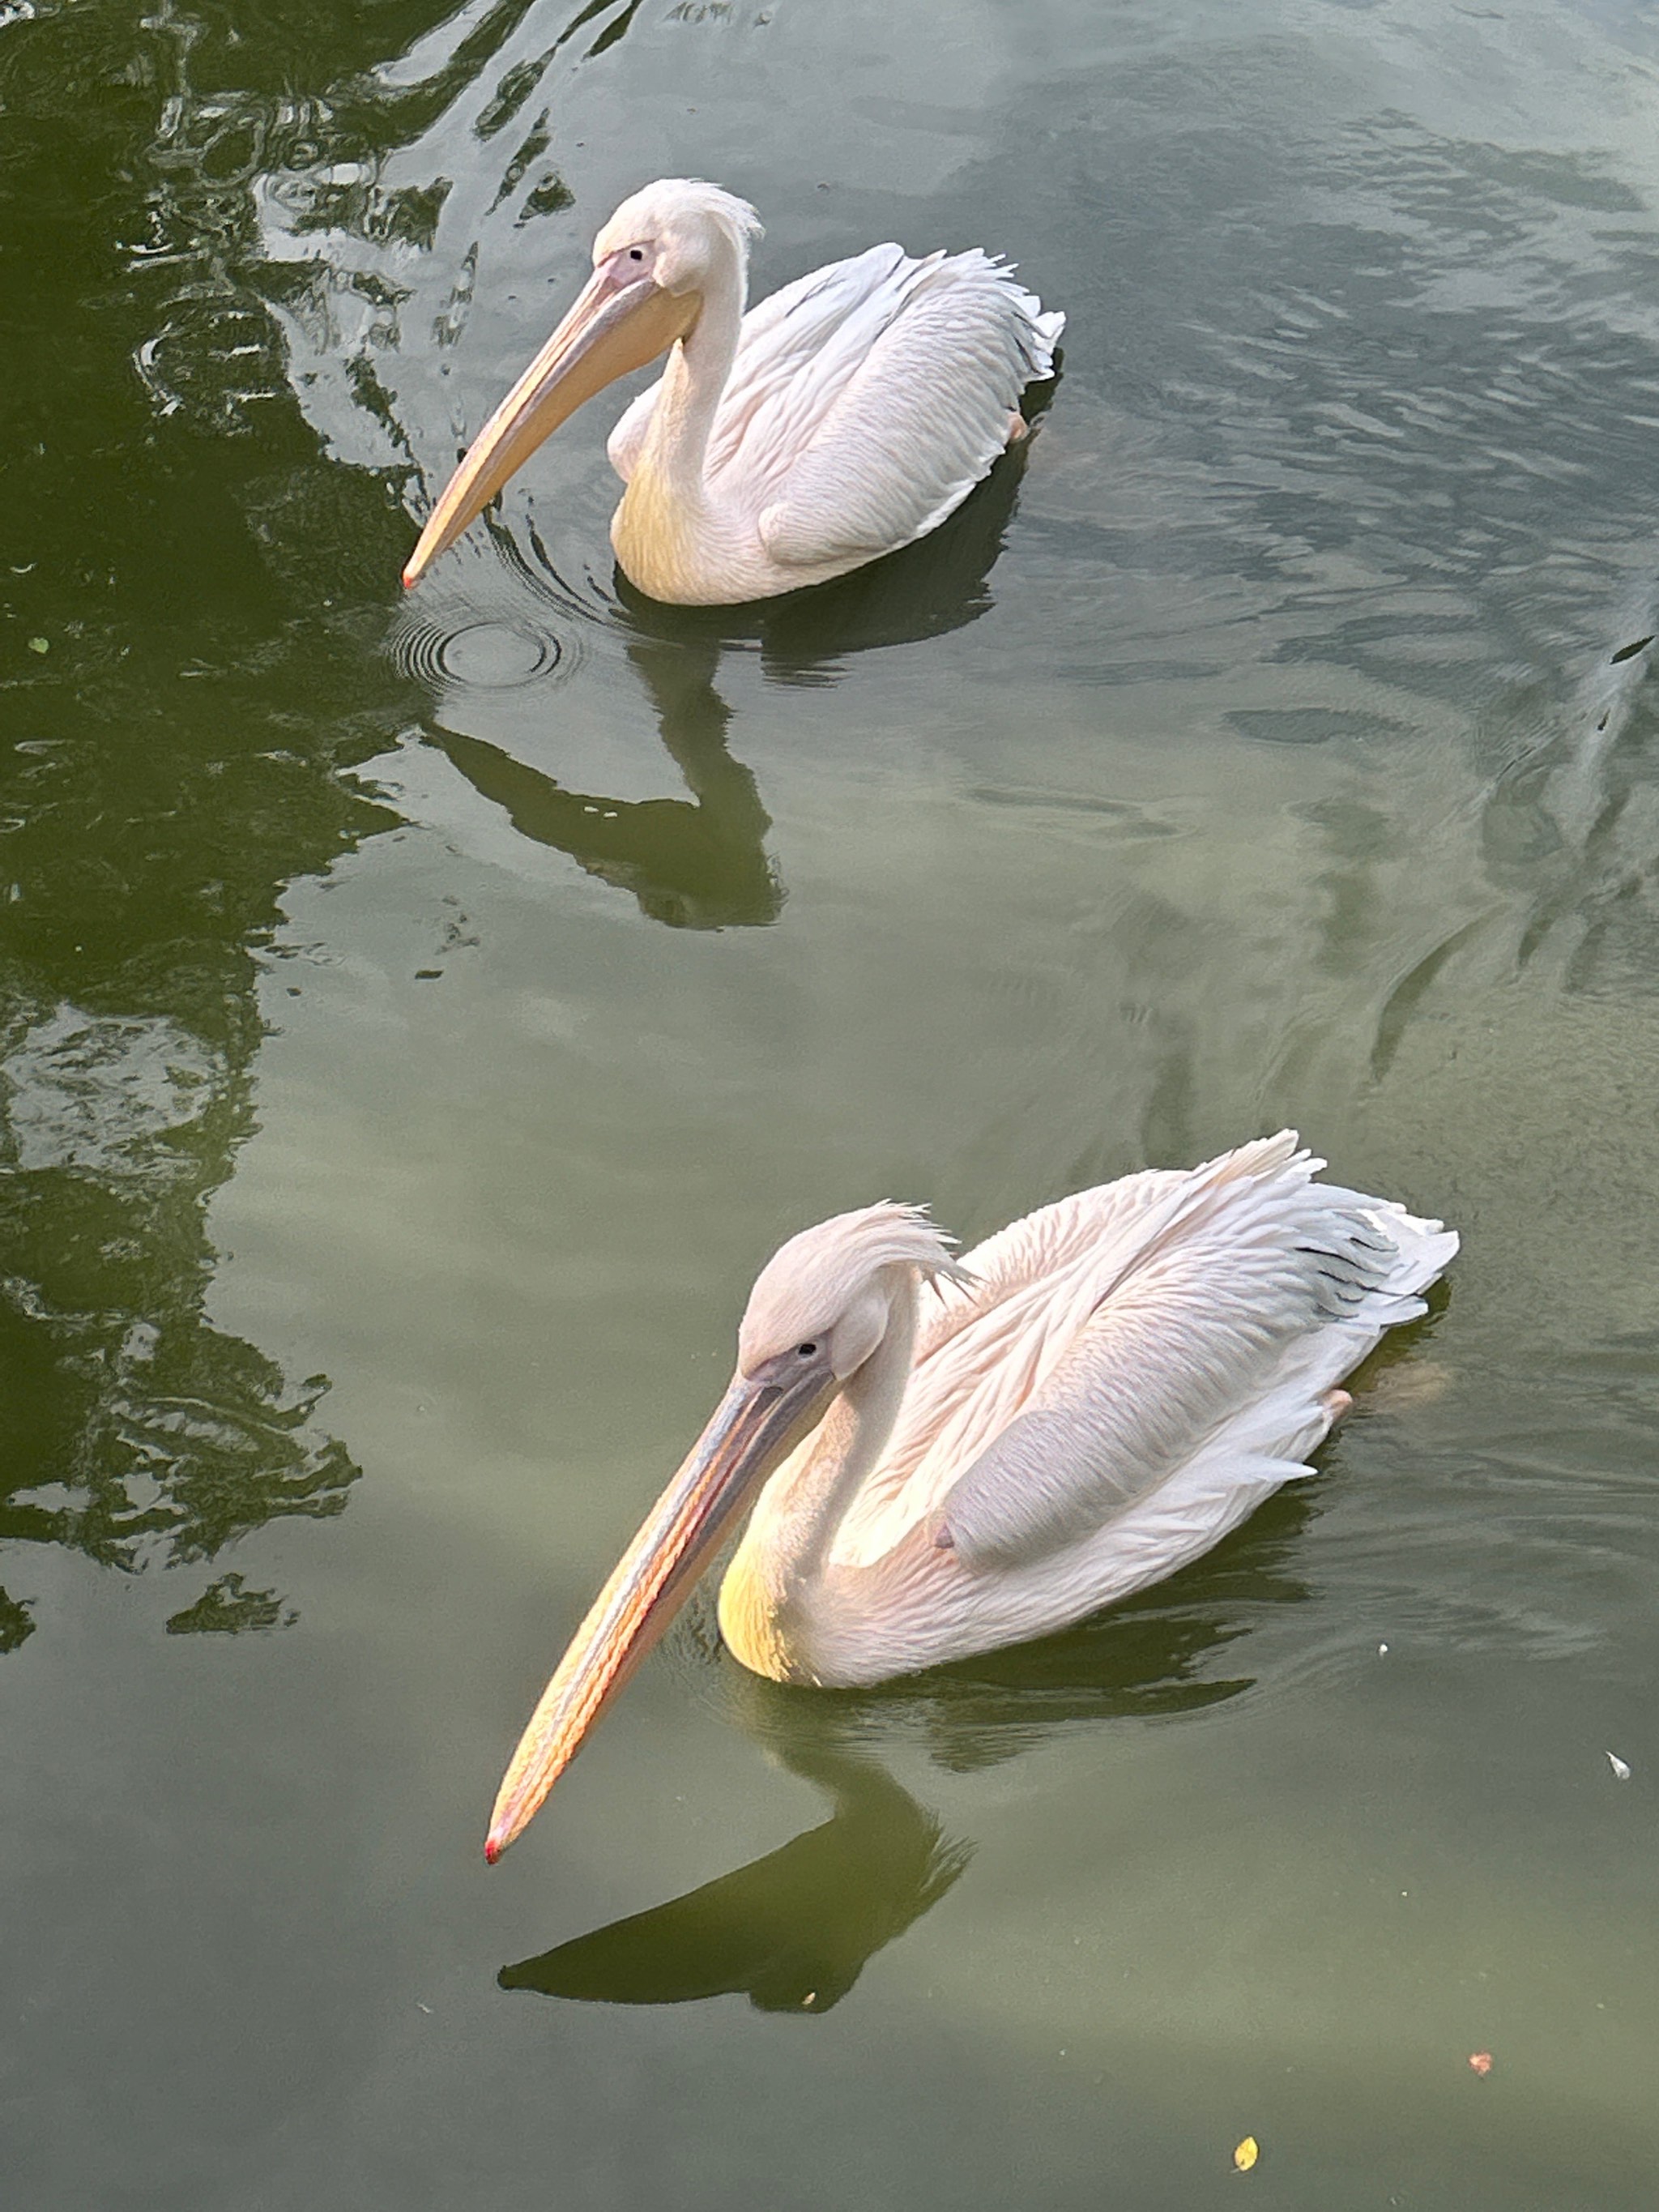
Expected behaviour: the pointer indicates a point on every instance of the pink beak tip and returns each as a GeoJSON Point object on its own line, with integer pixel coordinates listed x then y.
{"type": "Point", "coordinates": [492, 1851]}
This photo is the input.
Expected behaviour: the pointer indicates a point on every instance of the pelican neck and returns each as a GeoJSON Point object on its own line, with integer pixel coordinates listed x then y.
{"type": "Point", "coordinates": [699, 364]}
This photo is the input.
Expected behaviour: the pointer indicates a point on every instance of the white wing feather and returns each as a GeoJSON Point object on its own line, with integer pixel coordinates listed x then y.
{"type": "Point", "coordinates": [780, 342]}
{"type": "Point", "coordinates": [867, 399]}
{"type": "Point", "coordinates": [1110, 1341]}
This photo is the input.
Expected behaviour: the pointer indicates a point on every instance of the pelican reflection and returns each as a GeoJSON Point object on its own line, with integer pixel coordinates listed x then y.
{"type": "Point", "coordinates": [700, 862]}
{"type": "Point", "coordinates": [696, 863]}
{"type": "Point", "coordinates": [793, 1930]}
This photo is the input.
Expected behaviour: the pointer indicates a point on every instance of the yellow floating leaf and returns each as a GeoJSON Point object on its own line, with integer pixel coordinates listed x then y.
{"type": "Point", "coordinates": [1247, 2153]}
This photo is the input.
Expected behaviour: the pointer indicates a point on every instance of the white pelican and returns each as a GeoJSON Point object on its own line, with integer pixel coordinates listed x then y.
{"type": "Point", "coordinates": [1099, 1393]}
{"type": "Point", "coordinates": [844, 418]}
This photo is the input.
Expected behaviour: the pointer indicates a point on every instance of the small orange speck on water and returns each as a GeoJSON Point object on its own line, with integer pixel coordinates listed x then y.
{"type": "Point", "coordinates": [1480, 2061]}
{"type": "Point", "coordinates": [1247, 2153]}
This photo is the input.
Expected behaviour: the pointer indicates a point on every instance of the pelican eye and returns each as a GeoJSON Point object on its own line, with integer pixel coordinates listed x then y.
{"type": "Point", "coordinates": [636, 253]}
{"type": "Point", "coordinates": [805, 1350]}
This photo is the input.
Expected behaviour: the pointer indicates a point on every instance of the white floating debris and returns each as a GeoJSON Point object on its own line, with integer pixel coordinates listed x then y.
{"type": "Point", "coordinates": [1381, 1650]}
{"type": "Point", "coordinates": [1619, 1769]}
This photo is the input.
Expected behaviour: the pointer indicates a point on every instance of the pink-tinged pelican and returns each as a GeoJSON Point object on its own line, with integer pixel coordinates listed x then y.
{"type": "Point", "coordinates": [844, 418]}
{"type": "Point", "coordinates": [1087, 1401]}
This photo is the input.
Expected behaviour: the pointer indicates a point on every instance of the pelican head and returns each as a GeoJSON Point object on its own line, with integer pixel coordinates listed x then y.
{"type": "Point", "coordinates": [654, 262]}
{"type": "Point", "coordinates": [820, 1308]}
{"type": "Point", "coordinates": [833, 1284]}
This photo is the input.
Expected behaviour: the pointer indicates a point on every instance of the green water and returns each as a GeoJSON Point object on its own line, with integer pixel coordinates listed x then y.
{"type": "Point", "coordinates": [418, 1022]}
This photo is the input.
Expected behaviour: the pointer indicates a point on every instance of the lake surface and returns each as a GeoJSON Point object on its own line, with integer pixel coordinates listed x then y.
{"type": "Point", "coordinates": [419, 1020]}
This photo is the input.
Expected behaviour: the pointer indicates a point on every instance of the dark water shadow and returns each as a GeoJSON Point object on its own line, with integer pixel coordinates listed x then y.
{"type": "Point", "coordinates": [794, 1930]}
{"type": "Point", "coordinates": [1565, 829]}
{"type": "Point", "coordinates": [701, 862]}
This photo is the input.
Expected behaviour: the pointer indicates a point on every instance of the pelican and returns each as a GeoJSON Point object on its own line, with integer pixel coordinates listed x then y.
{"type": "Point", "coordinates": [1086, 1402]}
{"type": "Point", "coordinates": [844, 418]}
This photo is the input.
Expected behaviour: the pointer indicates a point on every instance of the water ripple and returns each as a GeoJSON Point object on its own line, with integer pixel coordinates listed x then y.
{"type": "Point", "coordinates": [489, 656]}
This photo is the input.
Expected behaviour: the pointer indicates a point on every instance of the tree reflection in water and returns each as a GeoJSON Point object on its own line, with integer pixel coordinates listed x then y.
{"type": "Point", "coordinates": [200, 579]}
{"type": "Point", "coordinates": [230, 228]}
{"type": "Point", "coordinates": [793, 1931]}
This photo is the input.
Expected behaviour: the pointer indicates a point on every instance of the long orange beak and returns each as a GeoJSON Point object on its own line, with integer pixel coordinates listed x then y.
{"type": "Point", "coordinates": [621, 320]}
{"type": "Point", "coordinates": [759, 1420]}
